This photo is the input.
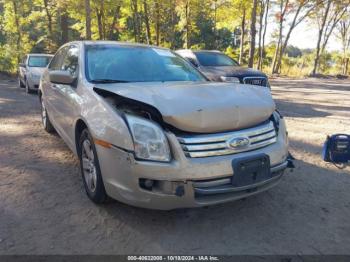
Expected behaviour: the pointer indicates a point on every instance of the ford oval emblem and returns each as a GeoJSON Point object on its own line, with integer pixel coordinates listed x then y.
{"type": "Point", "coordinates": [238, 142]}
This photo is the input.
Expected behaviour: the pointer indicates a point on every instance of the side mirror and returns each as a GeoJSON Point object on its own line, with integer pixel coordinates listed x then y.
{"type": "Point", "coordinates": [61, 77]}
{"type": "Point", "coordinates": [22, 65]}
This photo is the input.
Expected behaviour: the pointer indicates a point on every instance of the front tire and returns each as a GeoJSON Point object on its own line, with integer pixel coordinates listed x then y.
{"type": "Point", "coordinates": [28, 90]}
{"type": "Point", "coordinates": [90, 169]}
{"type": "Point", "coordinates": [45, 118]}
{"type": "Point", "coordinates": [20, 84]}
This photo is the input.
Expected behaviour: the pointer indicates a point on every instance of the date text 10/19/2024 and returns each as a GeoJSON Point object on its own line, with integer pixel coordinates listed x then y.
{"type": "Point", "coordinates": [173, 258]}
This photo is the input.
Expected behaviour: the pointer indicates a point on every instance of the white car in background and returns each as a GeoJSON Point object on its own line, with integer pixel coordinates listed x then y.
{"type": "Point", "coordinates": [31, 69]}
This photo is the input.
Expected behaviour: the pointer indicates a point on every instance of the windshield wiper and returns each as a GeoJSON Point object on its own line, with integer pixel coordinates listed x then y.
{"type": "Point", "coordinates": [106, 81]}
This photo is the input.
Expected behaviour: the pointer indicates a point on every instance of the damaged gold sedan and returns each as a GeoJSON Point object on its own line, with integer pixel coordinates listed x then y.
{"type": "Point", "coordinates": [151, 131]}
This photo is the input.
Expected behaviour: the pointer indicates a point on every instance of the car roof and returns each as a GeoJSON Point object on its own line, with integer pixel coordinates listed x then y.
{"type": "Point", "coordinates": [37, 54]}
{"type": "Point", "coordinates": [117, 43]}
{"type": "Point", "coordinates": [186, 53]}
{"type": "Point", "coordinates": [207, 51]}
{"type": "Point", "coordinates": [197, 51]}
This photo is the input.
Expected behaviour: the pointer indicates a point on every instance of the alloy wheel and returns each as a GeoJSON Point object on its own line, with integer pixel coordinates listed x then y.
{"type": "Point", "coordinates": [27, 87]}
{"type": "Point", "coordinates": [88, 163]}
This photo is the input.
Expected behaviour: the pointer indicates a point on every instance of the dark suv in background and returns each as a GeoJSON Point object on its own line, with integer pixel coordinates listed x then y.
{"type": "Point", "coordinates": [219, 67]}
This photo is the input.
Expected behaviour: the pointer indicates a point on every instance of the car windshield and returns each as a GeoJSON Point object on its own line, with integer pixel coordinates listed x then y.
{"type": "Point", "coordinates": [215, 59]}
{"type": "Point", "coordinates": [38, 61]}
{"type": "Point", "coordinates": [108, 63]}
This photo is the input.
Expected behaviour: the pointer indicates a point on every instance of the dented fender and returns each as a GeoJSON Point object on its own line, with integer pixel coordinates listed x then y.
{"type": "Point", "coordinates": [105, 122]}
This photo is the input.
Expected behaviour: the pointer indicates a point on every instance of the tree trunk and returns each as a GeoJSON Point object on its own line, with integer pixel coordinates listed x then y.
{"type": "Point", "coordinates": [332, 26]}
{"type": "Point", "coordinates": [100, 14]}
{"type": "Point", "coordinates": [157, 23]}
{"type": "Point", "coordinates": [187, 14]}
{"type": "Point", "coordinates": [252, 34]}
{"type": "Point", "coordinates": [148, 29]}
{"type": "Point", "coordinates": [344, 31]}
{"type": "Point", "coordinates": [285, 43]}
{"type": "Point", "coordinates": [278, 47]}
{"type": "Point", "coordinates": [103, 18]}
{"type": "Point", "coordinates": [346, 66]}
{"type": "Point", "coordinates": [241, 48]}
{"type": "Point", "coordinates": [64, 27]}
{"type": "Point", "coordinates": [261, 15]}
{"type": "Point", "coordinates": [320, 34]}
{"type": "Point", "coordinates": [215, 22]}
{"type": "Point", "coordinates": [99, 23]}
{"type": "Point", "coordinates": [114, 22]}
{"type": "Point", "coordinates": [275, 57]}
{"type": "Point", "coordinates": [19, 31]}
{"type": "Point", "coordinates": [88, 19]}
{"type": "Point", "coordinates": [135, 14]}
{"type": "Point", "coordinates": [49, 22]}
{"type": "Point", "coordinates": [173, 23]}
{"type": "Point", "coordinates": [264, 34]}
{"type": "Point", "coordinates": [278, 54]}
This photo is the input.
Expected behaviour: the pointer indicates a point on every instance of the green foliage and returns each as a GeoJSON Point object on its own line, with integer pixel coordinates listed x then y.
{"type": "Point", "coordinates": [7, 59]}
{"type": "Point", "coordinates": [296, 66]}
{"type": "Point", "coordinates": [293, 51]}
{"type": "Point", "coordinates": [43, 25]}
{"type": "Point", "coordinates": [233, 53]}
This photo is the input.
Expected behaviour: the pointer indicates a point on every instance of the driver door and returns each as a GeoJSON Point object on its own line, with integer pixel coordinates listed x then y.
{"type": "Point", "coordinates": [66, 99]}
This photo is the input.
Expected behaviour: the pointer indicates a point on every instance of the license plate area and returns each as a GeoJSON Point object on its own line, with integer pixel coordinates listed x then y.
{"type": "Point", "coordinates": [250, 170]}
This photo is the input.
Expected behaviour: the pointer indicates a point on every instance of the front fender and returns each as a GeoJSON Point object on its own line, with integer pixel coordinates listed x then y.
{"type": "Point", "coordinates": [105, 123]}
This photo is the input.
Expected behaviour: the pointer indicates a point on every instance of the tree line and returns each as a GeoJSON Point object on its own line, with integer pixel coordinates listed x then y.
{"type": "Point", "coordinates": [238, 27]}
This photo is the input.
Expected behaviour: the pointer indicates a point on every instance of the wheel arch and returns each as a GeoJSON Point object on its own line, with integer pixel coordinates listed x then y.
{"type": "Point", "coordinates": [39, 94]}
{"type": "Point", "coordinates": [80, 125]}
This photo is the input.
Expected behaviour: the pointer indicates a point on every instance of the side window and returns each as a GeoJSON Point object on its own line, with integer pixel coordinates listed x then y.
{"type": "Point", "coordinates": [57, 60]}
{"type": "Point", "coordinates": [70, 61]}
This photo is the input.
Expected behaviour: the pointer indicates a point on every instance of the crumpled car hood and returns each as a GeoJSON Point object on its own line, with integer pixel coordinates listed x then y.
{"type": "Point", "coordinates": [201, 107]}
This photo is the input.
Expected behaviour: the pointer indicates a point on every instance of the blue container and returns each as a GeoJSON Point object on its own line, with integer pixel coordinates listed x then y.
{"type": "Point", "coordinates": [336, 149]}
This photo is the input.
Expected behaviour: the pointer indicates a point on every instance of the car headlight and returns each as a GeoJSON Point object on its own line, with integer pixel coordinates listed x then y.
{"type": "Point", "coordinates": [150, 142]}
{"type": "Point", "coordinates": [231, 79]}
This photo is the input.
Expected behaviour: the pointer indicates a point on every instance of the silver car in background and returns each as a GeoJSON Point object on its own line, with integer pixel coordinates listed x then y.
{"type": "Point", "coordinates": [151, 131]}
{"type": "Point", "coordinates": [30, 70]}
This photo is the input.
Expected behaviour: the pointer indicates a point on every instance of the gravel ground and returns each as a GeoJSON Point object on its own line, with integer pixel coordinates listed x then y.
{"type": "Point", "coordinates": [44, 210]}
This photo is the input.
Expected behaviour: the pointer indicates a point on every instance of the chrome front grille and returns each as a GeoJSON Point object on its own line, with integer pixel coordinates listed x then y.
{"type": "Point", "coordinates": [258, 81]}
{"type": "Point", "coordinates": [223, 143]}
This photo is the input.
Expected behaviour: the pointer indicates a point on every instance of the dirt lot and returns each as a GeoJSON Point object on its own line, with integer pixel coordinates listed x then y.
{"type": "Point", "coordinates": [44, 210]}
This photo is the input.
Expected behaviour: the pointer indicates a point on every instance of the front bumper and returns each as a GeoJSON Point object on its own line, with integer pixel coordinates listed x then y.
{"type": "Point", "coordinates": [184, 182]}
{"type": "Point", "coordinates": [33, 82]}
